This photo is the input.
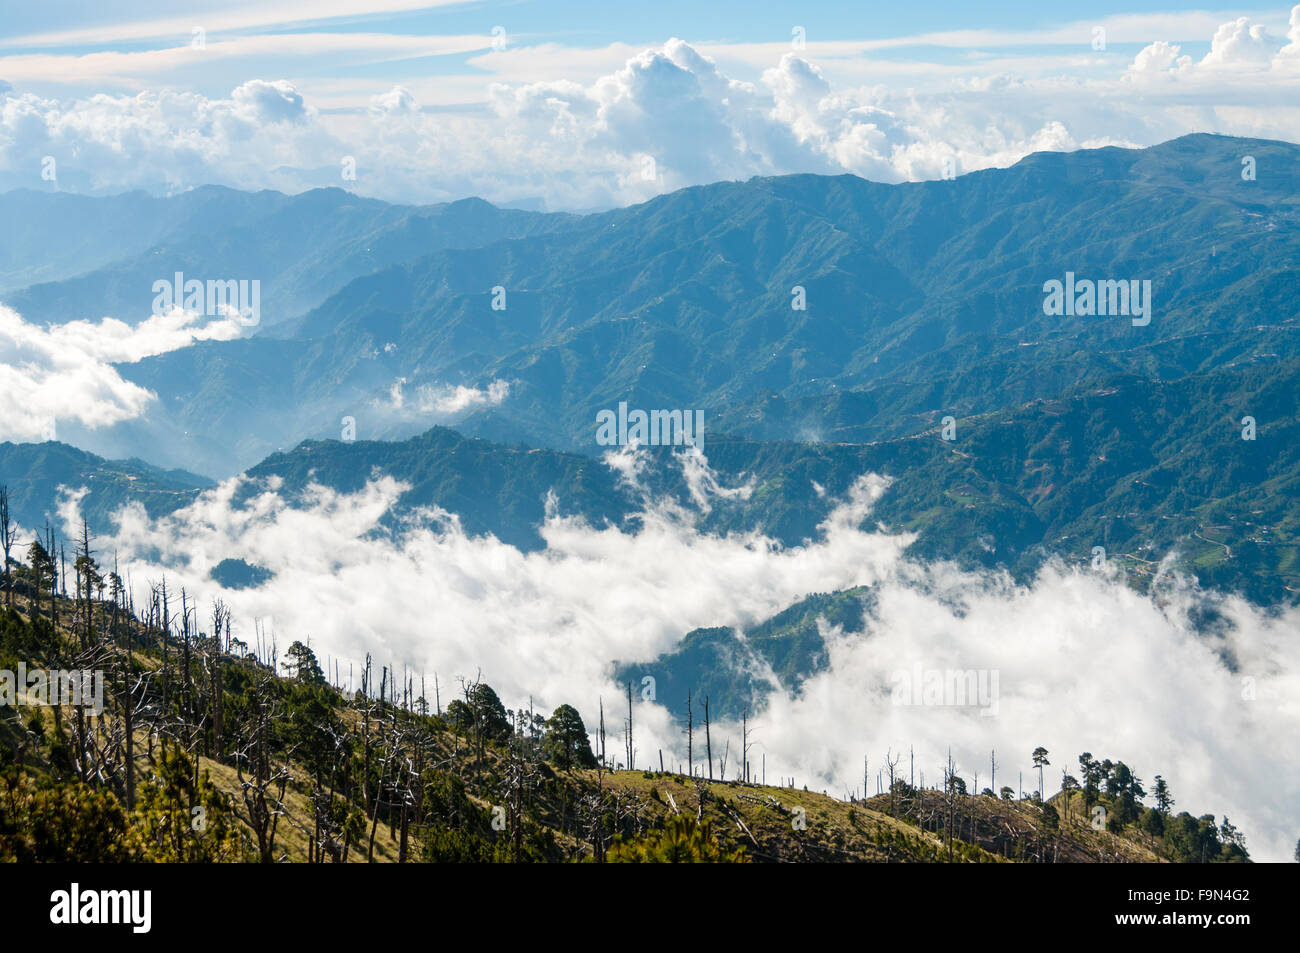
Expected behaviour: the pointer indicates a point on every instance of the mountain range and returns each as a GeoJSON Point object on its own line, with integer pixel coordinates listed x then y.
{"type": "Point", "coordinates": [826, 326]}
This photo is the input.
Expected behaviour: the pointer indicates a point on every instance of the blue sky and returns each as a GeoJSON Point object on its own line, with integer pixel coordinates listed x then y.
{"type": "Point", "coordinates": [587, 105]}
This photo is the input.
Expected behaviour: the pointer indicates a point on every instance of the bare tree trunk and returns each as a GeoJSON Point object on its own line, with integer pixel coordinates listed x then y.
{"type": "Point", "coordinates": [7, 531]}
{"type": "Point", "coordinates": [630, 749]}
{"type": "Point", "coordinates": [708, 743]}
{"type": "Point", "coordinates": [690, 737]}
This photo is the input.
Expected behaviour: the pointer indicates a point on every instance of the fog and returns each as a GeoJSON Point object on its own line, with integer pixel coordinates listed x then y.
{"type": "Point", "coordinates": [1083, 661]}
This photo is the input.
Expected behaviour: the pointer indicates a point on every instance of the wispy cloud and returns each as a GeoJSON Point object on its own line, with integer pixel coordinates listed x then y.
{"type": "Point", "coordinates": [230, 16]}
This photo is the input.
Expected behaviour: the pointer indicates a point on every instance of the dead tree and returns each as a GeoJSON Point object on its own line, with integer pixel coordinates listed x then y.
{"type": "Point", "coordinates": [891, 765]}
{"type": "Point", "coordinates": [745, 745]}
{"type": "Point", "coordinates": [950, 802]}
{"type": "Point", "coordinates": [690, 737]}
{"type": "Point", "coordinates": [8, 529]}
{"type": "Point", "coordinates": [630, 749]}
{"type": "Point", "coordinates": [708, 743]}
{"type": "Point", "coordinates": [262, 782]}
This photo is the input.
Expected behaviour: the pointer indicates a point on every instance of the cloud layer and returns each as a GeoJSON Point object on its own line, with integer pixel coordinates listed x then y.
{"type": "Point", "coordinates": [1085, 663]}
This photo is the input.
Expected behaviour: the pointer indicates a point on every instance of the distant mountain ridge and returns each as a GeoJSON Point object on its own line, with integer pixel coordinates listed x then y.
{"type": "Point", "coordinates": [302, 248]}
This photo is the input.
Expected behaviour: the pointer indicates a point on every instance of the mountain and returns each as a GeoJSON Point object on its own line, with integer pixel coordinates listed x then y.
{"type": "Point", "coordinates": [736, 670]}
{"type": "Point", "coordinates": [925, 320]}
{"type": "Point", "coordinates": [33, 473]}
{"type": "Point", "coordinates": [922, 300]}
{"type": "Point", "coordinates": [72, 257]}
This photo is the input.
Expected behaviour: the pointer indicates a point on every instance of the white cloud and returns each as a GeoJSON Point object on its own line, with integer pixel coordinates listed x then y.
{"type": "Point", "coordinates": [1085, 663]}
{"type": "Point", "coordinates": [1159, 57]}
{"type": "Point", "coordinates": [231, 15]}
{"type": "Point", "coordinates": [444, 400]}
{"type": "Point", "coordinates": [270, 102]}
{"type": "Point", "coordinates": [1241, 43]}
{"type": "Point", "coordinates": [627, 125]}
{"type": "Point", "coordinates": [64, 372]}
{"type": "Point", "coordinates": [181, 66]}
{"type": "Point", "coordinates": [398, 100]}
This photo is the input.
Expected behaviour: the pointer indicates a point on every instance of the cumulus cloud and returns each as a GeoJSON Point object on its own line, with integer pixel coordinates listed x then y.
{"type": "Point", "coordinates": [1159, 57]}
{"type": "Point", "coordinates": [1084, 662]}
{"type": "Point", "coordinates": [164, 141]}
{"type": "Point", "coordinates": [1241, 42]}
{"type": "Point", "coordinates": [666, 118]}
{"type": "Point", "coordinates": [1242, 54]}
{"type": "Point", "coordinates": [65, 372]}
{"type": "Point", "coordinates": [270, 102]}
{"type": "Point", "coordinates": [399, 100]}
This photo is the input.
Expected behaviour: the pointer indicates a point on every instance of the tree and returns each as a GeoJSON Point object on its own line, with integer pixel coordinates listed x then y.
{"type": "Point", "coordinates": [263, 778]}
{"type": "Point", "coordinates": [302, 666]}
{"type": "Point", "coordinates": [1163, 799]}
{"type": "Point", "coordinates": [566, 742]}
{"type": "Point", "coordinates": [1068, 786]}
{"type": "Point", "coordinates": [87, 581]}
{"type": "Point", "coordinates": [42, 567]}
{"type": "Point", "coordinates": [481, 712]}
{"type": "Point", "coordinates": [708, 742]}
{"type": "Point", "coordinates": [184, 818]}
{"type": "Point", "coordinates": [1090, 776]}
{"type": "Point", "coordinates": [1230, 835]}
{"type": "Point", "coordinates": [891, 765]}
{"type": "Point", "coordinates": [690, 738]}
{"type": "Point", "coordinates": [631, 751]}
{"type": "Point", "coordinates": [1040, 762]}
{"type": "Point", "coordinates": [1153, 822]}
{"type": "Point", "coordinates": [1126, 790]}
{"type": "Point", "coordinates": [52, 822]}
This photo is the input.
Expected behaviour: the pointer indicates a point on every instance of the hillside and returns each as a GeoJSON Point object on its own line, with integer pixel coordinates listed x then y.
{"type": "Point", "coordinates": [205, 753]}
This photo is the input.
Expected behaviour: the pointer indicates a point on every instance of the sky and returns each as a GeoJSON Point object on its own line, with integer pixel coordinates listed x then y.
{"type": "Point", "coordinates": [579, 106]}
